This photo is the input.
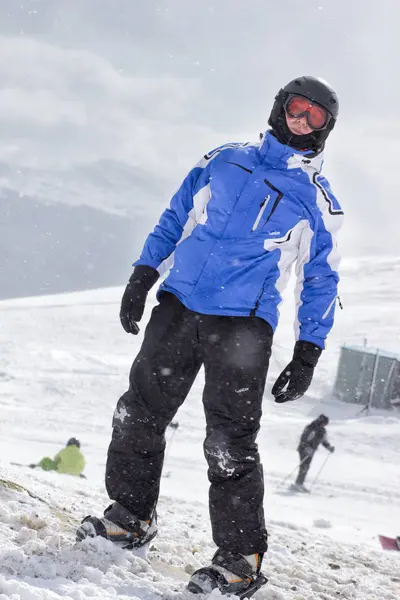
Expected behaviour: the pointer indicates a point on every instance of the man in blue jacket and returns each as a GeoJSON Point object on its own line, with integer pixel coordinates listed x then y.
{"type": "Point", "coordinates": [241, 218]}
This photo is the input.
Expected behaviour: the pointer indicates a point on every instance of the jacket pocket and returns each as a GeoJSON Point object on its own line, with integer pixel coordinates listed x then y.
{"type": "Point", "coordinates": [263, 206]}
{"type": "Point", "coordinates": [279, 196]}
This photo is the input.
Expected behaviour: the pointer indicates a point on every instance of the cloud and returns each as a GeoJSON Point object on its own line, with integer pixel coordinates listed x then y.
{"type": "Point", "coordinates": [156, 84]}
{"type": "Point", "coordinates": [60, 107]}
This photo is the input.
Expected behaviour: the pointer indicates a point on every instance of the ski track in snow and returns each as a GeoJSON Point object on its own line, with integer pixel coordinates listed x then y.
{"type": "Point", "coordinates": [64, 362]}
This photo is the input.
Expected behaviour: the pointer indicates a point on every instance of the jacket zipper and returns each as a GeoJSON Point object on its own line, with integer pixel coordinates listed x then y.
{"type": "Point", "coordinates": [257, 302]}
{"type": "Point", "coordinates": [277, 200]}
{"type": "Point", "coordinates": [328, 310]}
{"type": "Point", "coordinates": [263, 206]}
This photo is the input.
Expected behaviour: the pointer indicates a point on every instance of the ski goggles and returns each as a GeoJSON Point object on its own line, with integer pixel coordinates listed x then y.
{"type": "Point", "coordinates": [299, 106]}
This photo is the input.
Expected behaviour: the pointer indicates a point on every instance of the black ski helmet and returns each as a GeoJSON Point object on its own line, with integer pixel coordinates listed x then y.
{"type": "Point", "coordinates": [74, 442]}
{"type": "Point", "coordinates": [315, 89]}
{"type": "Point", "coordinates": [323, 419]}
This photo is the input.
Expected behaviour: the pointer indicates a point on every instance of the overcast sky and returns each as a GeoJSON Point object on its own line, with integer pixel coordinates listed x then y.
{"type": "Point", "coordinates": [156, 84]}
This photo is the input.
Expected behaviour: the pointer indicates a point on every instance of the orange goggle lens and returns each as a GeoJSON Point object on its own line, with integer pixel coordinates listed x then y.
{"type": "Point", "coordinates": [298, 106]}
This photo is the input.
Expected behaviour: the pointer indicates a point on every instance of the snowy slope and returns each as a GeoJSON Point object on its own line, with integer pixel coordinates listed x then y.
{"type": "Point", "coordinates": [64, 361]}
{"type": "Point", "coordinates": [39, 558]}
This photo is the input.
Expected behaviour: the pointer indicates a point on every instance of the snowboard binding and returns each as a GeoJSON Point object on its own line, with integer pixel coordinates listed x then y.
{"type": "Point", "coordinates": [230, 573]}
{"type": "Point", "coordinates": [209, 579]}
{"type": "Point", "coordinates": [119, 526]}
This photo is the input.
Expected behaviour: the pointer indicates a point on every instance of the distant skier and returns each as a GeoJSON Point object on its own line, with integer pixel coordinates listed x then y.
{"type": "Point", "coordinates": [69, 460]}
{"type": "Point", "coordinates": [313, 435]}
{"type": "Point", "coordinates": [243, 216]}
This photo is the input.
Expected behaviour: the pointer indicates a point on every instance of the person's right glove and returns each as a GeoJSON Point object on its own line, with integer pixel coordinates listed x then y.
{"type": "Point", "coordinates": [134, 299]}
{"type": "Point", "coordinates": [332, 449]}
{"type": "Point", "coordinates": [297, 376]}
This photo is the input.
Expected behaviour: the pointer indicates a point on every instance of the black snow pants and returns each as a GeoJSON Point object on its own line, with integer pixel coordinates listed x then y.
{"type": "Point", "coordinates": [306, 456]}
{"type": "Point", "coordinates": [235, 352]}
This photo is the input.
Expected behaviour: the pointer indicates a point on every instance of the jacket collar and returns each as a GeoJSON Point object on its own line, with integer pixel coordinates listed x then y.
{"type": "Point", "coordinates": [281, 155]}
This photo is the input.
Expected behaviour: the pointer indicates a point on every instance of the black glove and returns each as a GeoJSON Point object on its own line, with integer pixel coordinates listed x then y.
{"type": "Point", "coordinates": [298, 374]}
{"type": "Point", "coordinates": [132, 304]}
{"type": "Point", "coordinates": [331, 448]}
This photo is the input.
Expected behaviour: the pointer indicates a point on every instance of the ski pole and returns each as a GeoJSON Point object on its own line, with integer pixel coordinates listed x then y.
{"type": "Point", "coordinates": [320, 471]}
{"type": "Point", "coordinates": [290, 474]}
{"type": "Point", "coordinates": [174, 427]}
{"type": "Point", "coordinates": [285, 479]}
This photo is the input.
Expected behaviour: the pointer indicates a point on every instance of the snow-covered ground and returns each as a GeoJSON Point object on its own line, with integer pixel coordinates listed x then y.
{"type": "Point", "coordinates": [64, 362]}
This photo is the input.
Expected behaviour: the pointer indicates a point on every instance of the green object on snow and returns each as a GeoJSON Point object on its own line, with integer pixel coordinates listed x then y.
{"type": "Point", "coordinates": [47, 464]}
{"type": "Point", "coordinates": [69, 460]}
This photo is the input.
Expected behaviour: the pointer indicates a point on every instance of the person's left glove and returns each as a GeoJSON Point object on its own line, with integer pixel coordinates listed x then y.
{"type": "Point", "coordinates": [298, 374]}
{"type": "Point", "coordinates": [331, 449]}
{"type": "Point", "coordinates": [134, 298]}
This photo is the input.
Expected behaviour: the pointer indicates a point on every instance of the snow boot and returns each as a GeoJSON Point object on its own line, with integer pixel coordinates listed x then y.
{"type": "Point", "coordinates": [119, 526]}
{"type": "Point", "coordinates": [230, 573]}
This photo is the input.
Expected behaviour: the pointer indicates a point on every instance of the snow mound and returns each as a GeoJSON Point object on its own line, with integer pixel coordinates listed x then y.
{"type": "Point", "coordinates": [322, 523]}
{"type": "Point", "coordinates": [40, 559]}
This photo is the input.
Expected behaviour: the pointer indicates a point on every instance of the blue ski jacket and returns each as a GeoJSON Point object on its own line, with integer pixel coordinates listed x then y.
{"type": "Point", "coordinates": [241, 218]}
